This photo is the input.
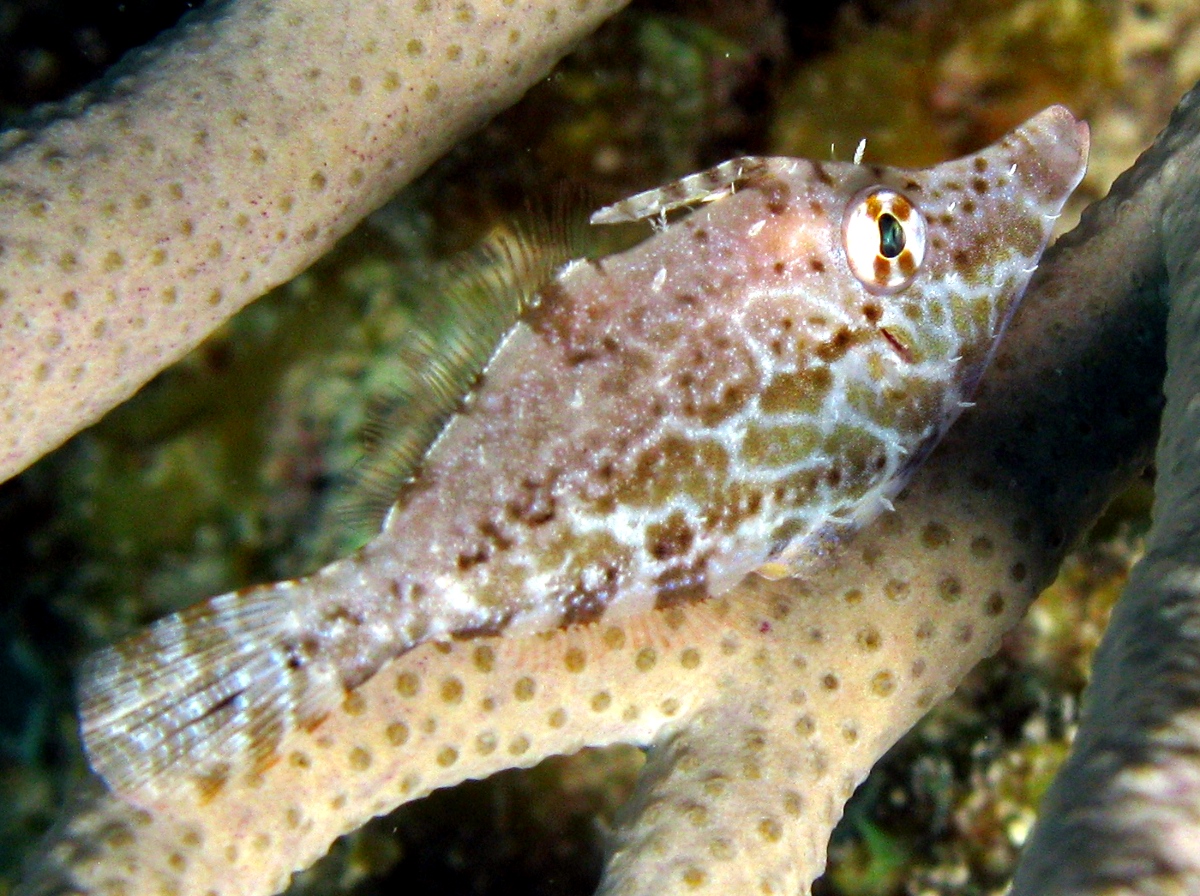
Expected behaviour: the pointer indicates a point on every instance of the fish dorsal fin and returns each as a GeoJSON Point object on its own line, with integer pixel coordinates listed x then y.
{"type": "Point", "coordinates": [480, 296]}
{"type": "Point", "coordinates": [705, 186]}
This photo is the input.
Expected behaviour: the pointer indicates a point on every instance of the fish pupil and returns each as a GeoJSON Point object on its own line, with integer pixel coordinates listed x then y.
{"type": "Point", "coordinates": [891, 236]}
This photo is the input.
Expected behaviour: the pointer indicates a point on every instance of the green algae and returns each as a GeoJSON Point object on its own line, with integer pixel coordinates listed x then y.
{"type": "Point", "coordinates": [934, 83]}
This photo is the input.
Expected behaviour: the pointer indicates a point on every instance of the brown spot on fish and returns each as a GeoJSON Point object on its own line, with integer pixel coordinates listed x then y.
{"type": "Point", "coordinates": [803, 391]}
{"type": "Point", "coordinates": [488, 629]}
{"type": "Point", "coordinates": [301, 651]}
{"type": "Point", "coordinates": [551, 316]}
{"type": "Point", "coordinates": [534, 505]}
{"type": "Point", "coordinates": [732, 399]}
{"type": "Point", "coordinates": [670, 538]}
{"type": "Point", "coordinates": [882, 269]}
{"type": "Point", "coordinates": [837, 345]}
{"type": "Point", "coordinates": [775, 191]}
{"type": "Point", "coordinates": [778, 446]}
{"type": "Point", "coordinates": [491, 531]}
{"type": "Point", "coordinates": [583, 605]}
{"type": "Point", "coordinates": [210, 782]}
{"type": "Point", "coordinates": [682, 584]}
{"type": "Point", "coordinates": [672, 466]}
{"type": "Point", "coordinates": [336, 613]}
{"type": "Point", "coordinates": [469, 559]}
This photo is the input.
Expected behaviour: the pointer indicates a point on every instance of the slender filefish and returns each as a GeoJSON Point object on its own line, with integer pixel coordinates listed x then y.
{"type": "Point", "coordinates": [734, 395]}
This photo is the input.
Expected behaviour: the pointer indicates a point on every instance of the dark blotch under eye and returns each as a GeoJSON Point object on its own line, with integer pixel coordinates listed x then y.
{"type": "Point", "coordinates": [891, 236]}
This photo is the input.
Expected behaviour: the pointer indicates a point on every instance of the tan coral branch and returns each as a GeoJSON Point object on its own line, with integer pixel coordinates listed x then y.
{"type": "Point", "coordinates": [1128, 798]}
{"type": "Point", "coordinates": [220, 162]}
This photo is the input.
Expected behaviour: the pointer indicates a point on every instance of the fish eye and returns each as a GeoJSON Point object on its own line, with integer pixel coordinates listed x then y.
{"type": "Point", "coordinates": [884, 236]}
{"type": "Point", "coordinates": [891, 236]}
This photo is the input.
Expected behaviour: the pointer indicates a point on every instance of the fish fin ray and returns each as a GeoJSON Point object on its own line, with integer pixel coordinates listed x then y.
{"type": "Point", "coordinates": [482, 294]}
{"type": "Point", "coordinates": [207, 691]}
{"type": "Point", "coordinates": [704, 186]}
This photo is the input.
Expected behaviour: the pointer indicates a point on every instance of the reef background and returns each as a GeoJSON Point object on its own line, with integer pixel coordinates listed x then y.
{"type": "Point", "coordinates": [228, 469]}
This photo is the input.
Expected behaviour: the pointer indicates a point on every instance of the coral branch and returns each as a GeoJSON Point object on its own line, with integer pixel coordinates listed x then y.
{"type": "Point", "coordinates": [1124, 813]}
{"type": "Point", "coordinates": [219, 162]}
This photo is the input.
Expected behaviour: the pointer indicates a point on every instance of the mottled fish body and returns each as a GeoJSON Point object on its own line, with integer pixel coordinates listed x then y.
{"type": "Point", "coordinates": [749, 383]}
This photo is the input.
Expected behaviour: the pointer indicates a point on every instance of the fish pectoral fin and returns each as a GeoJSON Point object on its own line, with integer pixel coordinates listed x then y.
{"type": "Point", "coordinates": [201, 695]}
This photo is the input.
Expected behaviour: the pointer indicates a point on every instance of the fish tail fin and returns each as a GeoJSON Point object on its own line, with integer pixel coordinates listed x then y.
{"type": "Point", "coordinates": [202, 693]}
